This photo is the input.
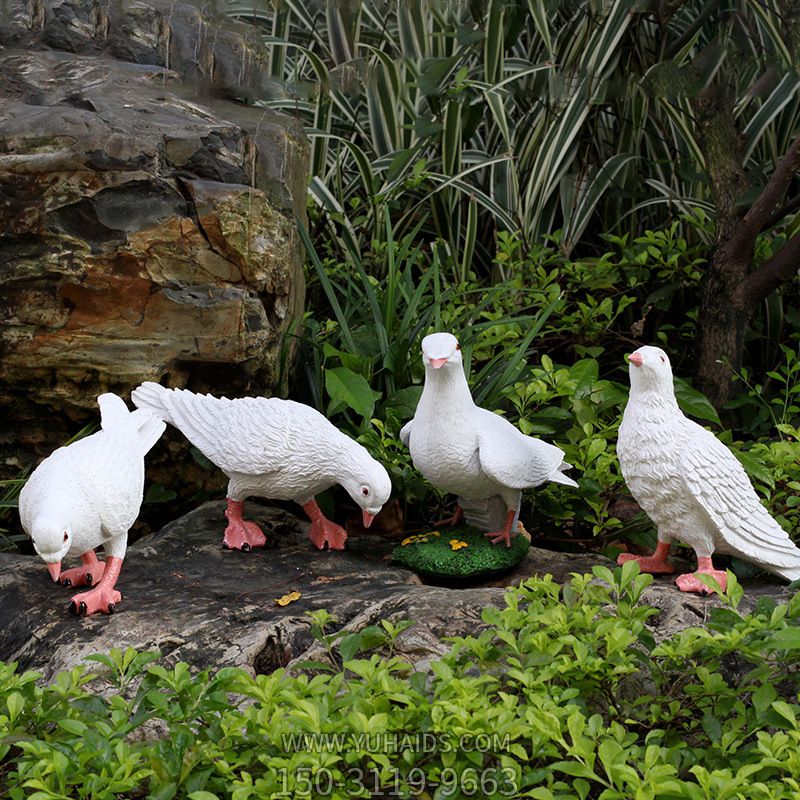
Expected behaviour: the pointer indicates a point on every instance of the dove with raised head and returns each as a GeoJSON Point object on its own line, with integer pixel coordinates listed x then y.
{"type": "Point", "coordinates": [276, 449]}
{"type": "Point", "coordinates": [88, 494]}
{"type": "Point", "coordinates": [691, 485]}
{"type": "Point", "coordinates": [471, 452]}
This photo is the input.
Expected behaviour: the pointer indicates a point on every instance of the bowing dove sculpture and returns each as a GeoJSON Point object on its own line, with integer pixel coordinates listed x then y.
{"type": "Point", "coordinates": [88, 494]}
{"type": "Point", "coordinates": [471, 452]}
{"type": "Point", "coordinates": [691, 486]}
{"type": "Point", "coordinates": [272, 448]}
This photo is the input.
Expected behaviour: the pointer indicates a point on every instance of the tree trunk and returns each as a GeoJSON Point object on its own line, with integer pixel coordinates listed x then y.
{"type": "Point", "coordinates": [721, 328]}
{"type": "Point", "coordinates": [732, 290]}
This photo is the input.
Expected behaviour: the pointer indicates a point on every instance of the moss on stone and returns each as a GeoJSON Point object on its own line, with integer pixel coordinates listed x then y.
{"type": "Point", "coordinates": [437, 553]}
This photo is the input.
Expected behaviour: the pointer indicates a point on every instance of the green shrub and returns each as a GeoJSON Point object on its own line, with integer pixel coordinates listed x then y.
{"type": "Point", "coordinates": [564, 695]}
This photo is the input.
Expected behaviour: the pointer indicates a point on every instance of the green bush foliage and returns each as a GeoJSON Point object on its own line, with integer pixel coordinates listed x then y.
{"type": "Point", "coordinates": [545, 346]}
{"type": "Point", "coordinates": [565, 695]}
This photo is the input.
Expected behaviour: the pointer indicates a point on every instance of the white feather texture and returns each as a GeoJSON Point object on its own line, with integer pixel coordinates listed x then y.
{"type": "Point", "coordinates": [271, 448]}
{"type": "Point", "coordinates": [689, 483]}
{"type": "Point", "coordinates": [469, 451]}
{"type": "Point", "coordinates": [91, 490]}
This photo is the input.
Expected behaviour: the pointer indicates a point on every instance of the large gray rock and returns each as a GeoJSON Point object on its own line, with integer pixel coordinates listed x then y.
{"type": "Point", "coordinates": [187, 597]}
{"type": "Point", "coordinates": [147, 222]}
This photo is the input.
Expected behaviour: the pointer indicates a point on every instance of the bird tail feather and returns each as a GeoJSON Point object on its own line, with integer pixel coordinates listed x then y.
{"type": "Point", "coordinates": [114, 414]}
{"type": "Point", "coordinates": [558, 475]}
{"type": "Point", "coordinates": [789, 573]}
{"type": "Point", "coordinates": [149, 427]}
{"type": "Point", "coordinates": [151, 396]}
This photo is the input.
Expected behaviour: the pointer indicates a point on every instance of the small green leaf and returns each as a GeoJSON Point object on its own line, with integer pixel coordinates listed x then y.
{"type": "Point", "coordinates": [585, 373]}
{"type": "Point", "coordinates": [345, 386]}
{"type": "Point", "coordinates": [755, 467]}
{"type": "Point", "coordinates": [15, 703]}
{"type": "Point", "coordinates": [693, 402]}
{"type": "Point", "coordinates": [349, 646]}
{"type": "Point", "coordinates": [786, 639]}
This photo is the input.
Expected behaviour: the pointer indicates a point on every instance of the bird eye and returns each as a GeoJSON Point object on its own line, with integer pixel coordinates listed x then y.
{"type": "Point", "coordinates": [458, 347]}
{"type": "Point", "coordinates": [364, 491]}
{"type": "Point", "coordinates": [66, 536]}
{"type": "Point", "coordinates": [663, 359]}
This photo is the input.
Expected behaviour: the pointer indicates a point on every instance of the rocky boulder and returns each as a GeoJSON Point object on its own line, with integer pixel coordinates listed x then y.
{"type": "Point", "coordinates": [147, 220]}
{"type": "Point", "coordinates": [193, 601]}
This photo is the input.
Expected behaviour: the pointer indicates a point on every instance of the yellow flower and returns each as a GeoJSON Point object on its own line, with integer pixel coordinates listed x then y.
{"type": "Point", "coordinates": [288, 598]}
{"type": "Point", "coordinates": [418, 537]}
{"type": "Point", "coordinates": [457, 544]}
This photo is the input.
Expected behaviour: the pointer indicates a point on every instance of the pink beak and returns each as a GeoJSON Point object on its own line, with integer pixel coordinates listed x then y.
{"type": "Point", "coordinates": [635, 359]}
{"type": "Point", "coordinates": [437, 362]}
{"type": "Point", "coordinates": [367, 518]}
{"type": "Point", "coordinates": [54, 570]}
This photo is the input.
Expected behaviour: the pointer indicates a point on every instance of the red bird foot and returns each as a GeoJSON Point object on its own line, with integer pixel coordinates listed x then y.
{"type": "Point", "coordinates": [324, 532]}
{"type": "Point", "coordinates": [499, 536]}
{"type": "Point", "coordinates": [101, 599]}
{"type": "Point", "coordinates": [86, 575]}
{"type": "Point", "coordinates": [242, 535]}
{"type": "Point", "coordinates": [691, 583]}
{"type": "Point", "coordinates": [448, 522]}
{"type": "Point", "coordinates": [504, 535]}
{"type": "Point", "coordinates": [655, 565]}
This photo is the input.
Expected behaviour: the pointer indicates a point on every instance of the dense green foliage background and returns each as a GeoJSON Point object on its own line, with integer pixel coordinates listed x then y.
{"type": "Point", "coordinates": [540, 179]}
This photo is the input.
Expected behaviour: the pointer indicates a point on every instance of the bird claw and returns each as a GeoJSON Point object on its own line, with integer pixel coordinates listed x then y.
{"type": "Point", "coordinates": [691, 583]}
{"type": "Point", "coordinates": [499, 536]}
{"type": "Point", "coordinates": [242, 535]}
{"type": "Point", "coordinates": [81, 576]}
{"type": "Point", "coordinates": [328, 534]}
{"type": "Point", "coordinates": [100, 599]}
{"type": "Point", "coordinates": [448, 522]}
{"type": "Point", "coordinates": [648, 564]}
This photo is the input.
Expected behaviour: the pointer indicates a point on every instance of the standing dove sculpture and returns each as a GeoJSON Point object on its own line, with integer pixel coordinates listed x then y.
{"type": "Point", "coordinates": [88, 494]}
{"type": "Point", "coordinates": [272, 448]}
{"type": "Point", "coordinates": [471, 452]}
{"type": "Point", "coordinates": [691, 486]}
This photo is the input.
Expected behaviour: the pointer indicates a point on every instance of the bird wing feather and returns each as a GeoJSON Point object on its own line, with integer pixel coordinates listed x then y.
{"type": "Point", "coordinates": [405, 433]}
{"type": "Point", "coordinates": [718, 482]}
{"type": "Point", "coordinates": [251, 435]}
{"type": "Point", "coordinates": [510, 457]}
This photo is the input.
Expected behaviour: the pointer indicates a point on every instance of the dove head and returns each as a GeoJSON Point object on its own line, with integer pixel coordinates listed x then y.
{"type": "Point", "coordinates": [52, 540]}
{"type": "Point", "coordinates": [650, 371]}
{"type": "Point", "coordinates": [440, 350]}
{"type": "Point", "coordinates": [369, 485]}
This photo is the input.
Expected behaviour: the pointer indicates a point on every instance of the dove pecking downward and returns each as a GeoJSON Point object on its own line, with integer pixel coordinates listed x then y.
{"type": "Point", "coordinates": [272, 448]}
{"type": "Point", "coordinates": [88, 494]}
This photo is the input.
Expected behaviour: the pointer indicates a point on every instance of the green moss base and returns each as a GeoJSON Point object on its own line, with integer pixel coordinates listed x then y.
{"type": "Point", "coordinates": [431, 553]}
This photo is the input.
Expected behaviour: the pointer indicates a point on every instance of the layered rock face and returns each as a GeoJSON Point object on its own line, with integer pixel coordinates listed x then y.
{"type": "Point", "coordinates": [147, 218]}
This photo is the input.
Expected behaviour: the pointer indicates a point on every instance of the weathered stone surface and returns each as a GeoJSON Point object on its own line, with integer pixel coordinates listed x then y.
{"type": "Point", "coordinates": [194, 601]}
{"type": "Point", "coordinates": [147, 224]}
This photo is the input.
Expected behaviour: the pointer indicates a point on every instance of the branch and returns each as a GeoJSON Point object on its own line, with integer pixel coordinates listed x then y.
{"type": "Point", "coordinates": [764, 205]}
{"type": "Point", "coordinates": [790, 207]}
{"type": "Point", "coordinates": [774, 272]}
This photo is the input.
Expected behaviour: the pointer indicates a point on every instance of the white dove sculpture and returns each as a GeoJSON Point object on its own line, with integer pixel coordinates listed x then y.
{"type": "Point", "coordinates": [691, 486]}
{"type": "Point", "coordinates": [272, 448]}
{"type": "Point", "coordinates": [471, 452]}
{"type": "Point", "coordinates": [88, 494]}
